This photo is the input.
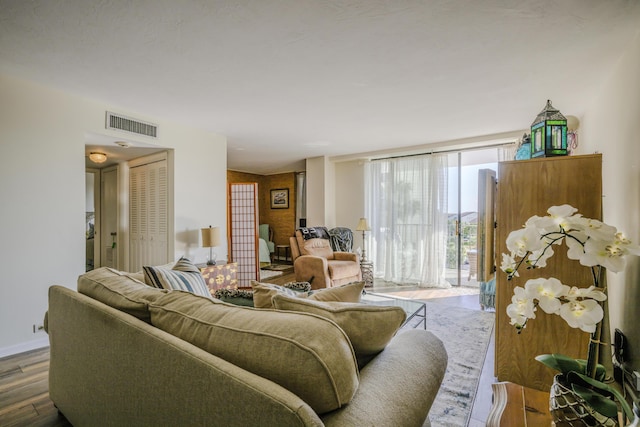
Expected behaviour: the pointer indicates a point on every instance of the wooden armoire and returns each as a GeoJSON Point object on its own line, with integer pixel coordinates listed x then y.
{"type": "Point", "coordinates": [527, 188]}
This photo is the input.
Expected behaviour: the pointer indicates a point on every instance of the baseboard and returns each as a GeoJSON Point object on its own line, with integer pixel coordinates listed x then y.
{"type": "Point", "coordinates": [25, 346]}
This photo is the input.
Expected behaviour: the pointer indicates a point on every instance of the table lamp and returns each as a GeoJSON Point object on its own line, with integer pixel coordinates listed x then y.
{"type": "Point", "coordinates": [210, 239]}
{"type": "Point", "coordinates": [363, 226]}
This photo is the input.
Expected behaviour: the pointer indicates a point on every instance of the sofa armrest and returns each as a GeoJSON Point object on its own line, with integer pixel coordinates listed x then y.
{"type": "Point", "coordinates": [345, 256]}
{"type": "Point", "coordinates": [390, 392]}
{"type": "Point", "coordinates": [312, 269]}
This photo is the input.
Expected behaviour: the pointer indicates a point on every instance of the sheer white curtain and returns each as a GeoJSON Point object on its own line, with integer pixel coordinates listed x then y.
{"type": "Point", "coordinates": [406, 202]}
{"type": "Point", "coordinates": [507, 152]}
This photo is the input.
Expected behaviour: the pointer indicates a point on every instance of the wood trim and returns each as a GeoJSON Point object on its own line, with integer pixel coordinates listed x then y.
{"type": "Point", "coordinates": [515, 405]}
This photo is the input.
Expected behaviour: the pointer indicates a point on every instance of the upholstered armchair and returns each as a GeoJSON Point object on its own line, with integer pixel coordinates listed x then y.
{"type": "Point", "coordinates": [314, 261]}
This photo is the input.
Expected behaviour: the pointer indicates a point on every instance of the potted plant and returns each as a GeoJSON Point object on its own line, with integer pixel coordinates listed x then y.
{"type": "Point", "coordinates": [597, 246]}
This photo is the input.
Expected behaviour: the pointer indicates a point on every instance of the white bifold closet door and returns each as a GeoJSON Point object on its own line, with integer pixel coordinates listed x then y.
{"type": "Point", "coordinates": [148, 219]}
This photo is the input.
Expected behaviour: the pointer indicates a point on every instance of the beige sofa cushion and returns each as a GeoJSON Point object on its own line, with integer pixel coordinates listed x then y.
{"type": "Point", "coordinates": [264, 292]}
{"type": "Point", "coordinates": [369, 327]}
{"type": "Point", "coordinates": [340, 269]}
{"type": "Point", "coordinates": [306, 354]}
{"type": "Point", "coordinates": [119, 290]}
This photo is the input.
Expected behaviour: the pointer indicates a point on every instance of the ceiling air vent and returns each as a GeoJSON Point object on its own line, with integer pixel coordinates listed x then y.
{"type": "Point", "coordinates": [127, 124]}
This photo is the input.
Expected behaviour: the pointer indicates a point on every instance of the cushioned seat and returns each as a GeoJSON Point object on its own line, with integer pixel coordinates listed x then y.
{"type": "Point", "coordinates": [314, 260]}
{"type": "Point", "coordinates": [339, 269]}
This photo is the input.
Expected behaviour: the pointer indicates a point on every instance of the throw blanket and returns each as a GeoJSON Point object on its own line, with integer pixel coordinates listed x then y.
{"type": "Point", "coordinates": [341, 239]}
{"type": "Point", "coordinates": [314, 233]}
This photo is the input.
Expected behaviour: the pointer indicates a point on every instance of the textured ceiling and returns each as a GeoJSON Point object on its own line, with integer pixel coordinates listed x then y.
{"type": "Point", "coordinates": [289, 79]}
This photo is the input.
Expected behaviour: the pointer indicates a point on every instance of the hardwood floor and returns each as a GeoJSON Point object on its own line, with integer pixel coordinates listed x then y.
{"type": "Point", "coordinates": [24, 391]}
{"type": "Point", "coordinates": [24, 395]}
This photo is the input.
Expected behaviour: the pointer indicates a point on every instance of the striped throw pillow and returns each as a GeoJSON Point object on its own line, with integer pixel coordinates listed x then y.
{"type": "Point", "coordinates": [184, 276]}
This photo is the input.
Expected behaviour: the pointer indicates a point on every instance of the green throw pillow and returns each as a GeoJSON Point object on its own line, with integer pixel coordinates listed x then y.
{"type": "Point", "coordinates": [369, 327]}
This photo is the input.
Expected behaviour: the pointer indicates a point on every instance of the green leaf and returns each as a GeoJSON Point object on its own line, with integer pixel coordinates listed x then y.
{"type": "Point", "coordinates": [598, 402]}
{"type": "Point", "coordinates": [560, 363]}
{"type": "Point", "coordinates": [598, 391]}
{"type": "Point", "coordinates": [566, 364]}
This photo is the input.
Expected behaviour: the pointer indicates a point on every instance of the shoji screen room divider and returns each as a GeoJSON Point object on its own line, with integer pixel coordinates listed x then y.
{"type": "Point", "coordinates": [243, 230]}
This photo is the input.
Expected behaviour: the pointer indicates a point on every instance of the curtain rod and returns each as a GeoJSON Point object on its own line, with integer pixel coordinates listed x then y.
{"type": "Point", "coordinates": [502, 144]}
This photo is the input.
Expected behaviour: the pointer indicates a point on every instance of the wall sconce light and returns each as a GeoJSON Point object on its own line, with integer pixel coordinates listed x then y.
{"type": "Point", "coordinates": [96, 157]}
{"type": "Point", "coordinates": [363, 226]}
{"type": "Point", "coordinates": [210, 239]}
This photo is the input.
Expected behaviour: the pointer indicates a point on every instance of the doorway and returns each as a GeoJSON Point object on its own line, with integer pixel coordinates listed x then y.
{"type": "Point", "coordinates": [107, 203]}
{"type": "Point", "coordinates": [92, 219]}
{"type": "Point", "coordinates": [462, 237]}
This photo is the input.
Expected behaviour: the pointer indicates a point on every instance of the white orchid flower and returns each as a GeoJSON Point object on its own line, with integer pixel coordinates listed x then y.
{"type": "Point", "coordinates": [525, 304]}
{"type": "Point", "coordinates": [609, 254]}
{"type": "Point", "coordinates": [629, 248]}
{"type": "Point", "coordinates": [584, 314]}
{"type": "Point", "coordinates": [547, 292]}
{"type": "Point", "coordinates": [598, 230]}
{"type": "Point", "coordinates": [538, 259]}
{"type": "Point", "coordinates": [586, 293]}
{"type": "Point", "coordinates": [521, 309]}
{"type": "Point", "coordinates": [575, 244]}
{"type": "Point", "coordinates": [525, 240]}
{"type": "Point", "coordinates": [509, 265]}
{"type": "Point", "coordinates": [592, 242]}
{"type": "Point", "coordinates": [559, 217]}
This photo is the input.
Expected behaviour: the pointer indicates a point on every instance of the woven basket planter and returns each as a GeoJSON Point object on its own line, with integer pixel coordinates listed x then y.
{"type": "Point", "coordinates": [570, 410]}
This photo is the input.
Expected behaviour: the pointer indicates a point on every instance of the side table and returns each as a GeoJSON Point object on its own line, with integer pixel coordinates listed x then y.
{"type": "Point", "coordinates": [367, 272]}
{"type": "Point", "coordinates": [282, 249]}
{"type": "Point", "coordinates": [515, 405]}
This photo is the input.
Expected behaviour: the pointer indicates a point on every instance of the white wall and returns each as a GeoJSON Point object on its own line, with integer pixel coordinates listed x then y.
{"type": "Point", "coordinates": [42, 194]}
{"type": "Point", "coordinates": [349, 198]}
{"type": "Point", "coordinates": [611, 126]}
{"type": "Point", "coordinates": [320, 192]}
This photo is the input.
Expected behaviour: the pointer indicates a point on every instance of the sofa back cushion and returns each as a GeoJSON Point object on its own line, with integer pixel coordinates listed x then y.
{"type": "Point", "coordinates": [119, 290]}
{"type": "Point", "coordinates": [306, 354]}
{"type": "Point", "coordinates": [369, 327]}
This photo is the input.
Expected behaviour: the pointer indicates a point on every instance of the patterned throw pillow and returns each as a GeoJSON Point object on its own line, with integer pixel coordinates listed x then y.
{"type": "Point", "coordinates": [183, 276]}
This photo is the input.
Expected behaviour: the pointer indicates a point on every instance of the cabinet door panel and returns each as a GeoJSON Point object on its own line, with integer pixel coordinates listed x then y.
{"type": "Point", "coordinates": [527, 188]}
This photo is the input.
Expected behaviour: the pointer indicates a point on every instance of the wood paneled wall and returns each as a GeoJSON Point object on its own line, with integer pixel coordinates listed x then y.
{"type": "Point", "coordinates": [282, 221]}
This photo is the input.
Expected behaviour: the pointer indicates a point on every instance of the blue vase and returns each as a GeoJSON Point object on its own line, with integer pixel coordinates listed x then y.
{"type": "Point", "coordinates": [524, 151]}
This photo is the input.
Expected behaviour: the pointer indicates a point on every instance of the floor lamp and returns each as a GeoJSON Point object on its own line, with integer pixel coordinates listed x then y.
{"type": "Point", "coordinates": [363, 226]}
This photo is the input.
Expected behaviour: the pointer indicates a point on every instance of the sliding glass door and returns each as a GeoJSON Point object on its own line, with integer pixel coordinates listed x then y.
{"type": "Point", "coordinates": [462, 236]}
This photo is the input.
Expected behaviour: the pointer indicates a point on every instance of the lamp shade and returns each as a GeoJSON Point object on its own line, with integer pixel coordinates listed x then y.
{"type": "Point", "coordinates": [210, 237]}
{"type": "Point", "coordinates": [363, 225]}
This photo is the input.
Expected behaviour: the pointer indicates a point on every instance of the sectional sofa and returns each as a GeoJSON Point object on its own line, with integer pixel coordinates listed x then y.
{"type": "Point", "coordinates": [125, 353]}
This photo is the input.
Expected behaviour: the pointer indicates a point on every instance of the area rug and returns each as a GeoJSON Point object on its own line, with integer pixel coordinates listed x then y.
{"type": "Point", "coordinates": [267, 274]}
{"type": "Point", "coordinates": [466, 335]}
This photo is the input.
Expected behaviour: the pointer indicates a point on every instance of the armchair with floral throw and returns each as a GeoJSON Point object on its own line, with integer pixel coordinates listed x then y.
{"type": "Point", "coordinates": [314, 260]}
